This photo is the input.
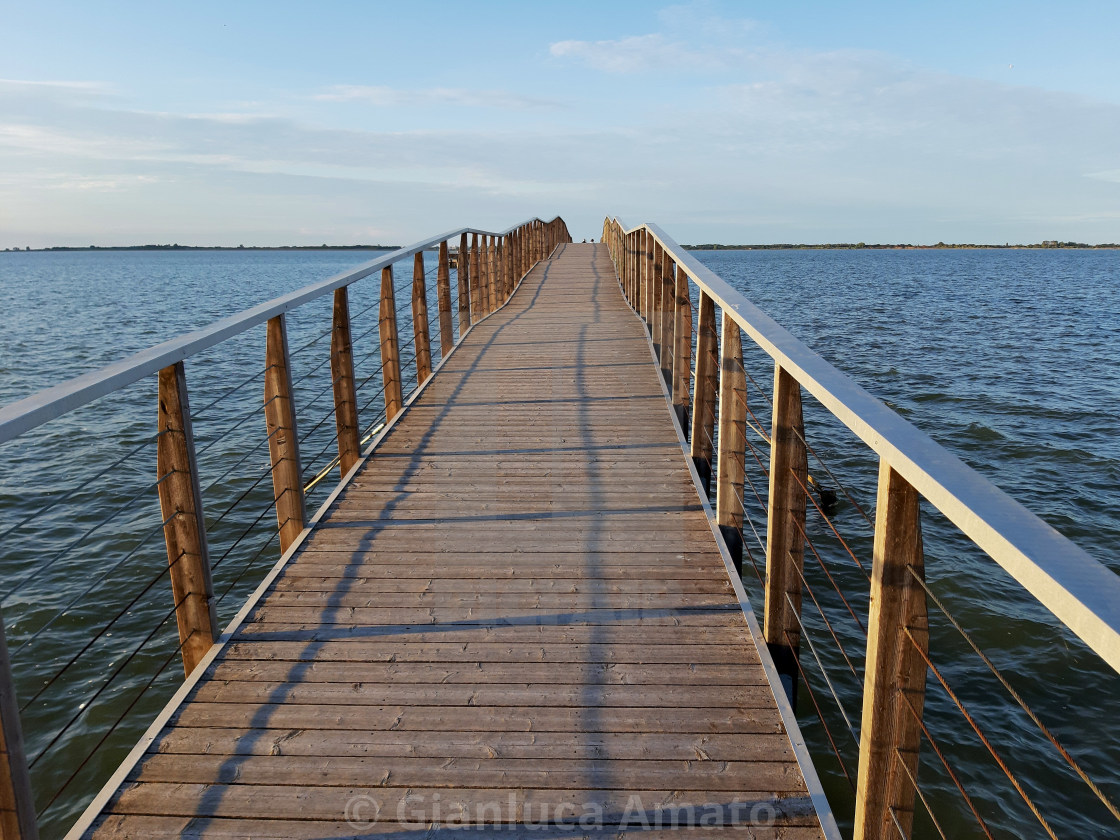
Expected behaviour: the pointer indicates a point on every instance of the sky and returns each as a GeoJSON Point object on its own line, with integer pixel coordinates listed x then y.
{"type": "Point", "coordinates": [271, 123]}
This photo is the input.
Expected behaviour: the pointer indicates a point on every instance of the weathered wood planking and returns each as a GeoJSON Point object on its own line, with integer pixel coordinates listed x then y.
{"type": "Point", "coordinates": [516, 610]}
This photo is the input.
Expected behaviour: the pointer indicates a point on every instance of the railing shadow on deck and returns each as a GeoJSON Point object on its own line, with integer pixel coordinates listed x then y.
{"type": "Point", "coordinates": [879, 604]}
{"type": "Point", "coordinates": [93, 693]}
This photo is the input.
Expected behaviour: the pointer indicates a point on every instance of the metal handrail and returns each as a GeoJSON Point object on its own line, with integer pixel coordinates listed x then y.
{"type": "Point", "coordinates": [1078, 589]}
{"type": "Point", "coordinates": [50, 403]}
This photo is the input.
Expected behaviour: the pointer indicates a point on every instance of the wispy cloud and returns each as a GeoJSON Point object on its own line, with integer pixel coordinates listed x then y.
{"type": "Point", "coordinates": [389, 97]}
{"type": "Point", "coordinates": [39, 86]}
{"type": "Point", "coordinates": [643, 53]}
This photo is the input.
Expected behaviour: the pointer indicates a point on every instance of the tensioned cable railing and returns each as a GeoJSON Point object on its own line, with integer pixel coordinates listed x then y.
{"type": "Point", "coordinates": [864, 647]}
{"type": "Point", "coordinates": [95, 615]}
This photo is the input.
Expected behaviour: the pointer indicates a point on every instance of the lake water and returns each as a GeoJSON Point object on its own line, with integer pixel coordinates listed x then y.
{"type": "Point", "coordinates": [1007, 358]}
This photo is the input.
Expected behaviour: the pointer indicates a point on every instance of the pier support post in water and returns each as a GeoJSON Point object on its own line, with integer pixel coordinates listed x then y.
{"type": "Point", "coordinates": [420, 330]}
{"type": "Point", "coordinates": [184, 529]}
{"type": "Point", "coordinates": [682, 349]}
{"type": "Point", "coordinates": [390, 346]}
{"type": "Point", "coordinates": [732, 440]}
{"type": "Point", "coordinates": [895, 677]}
{"type": "Point", "coordinates": [342, 375]}
{"type": "Point", "coordinates": [443, 301]}
{"type": "Point", "coordinates": [704, 408]}
{"type": "Point", "coordinates": [17, 806]}
{"type": "Point", "coordinates": [785, 529]}
{"type": "Point", "coordinates": [283, 440]}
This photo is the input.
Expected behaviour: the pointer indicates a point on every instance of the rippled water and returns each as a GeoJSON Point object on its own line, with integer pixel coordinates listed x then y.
{"type": "Point", "coordinates": [1008, 358]}
{"type": "Point", "coordinates": [1011, 360]}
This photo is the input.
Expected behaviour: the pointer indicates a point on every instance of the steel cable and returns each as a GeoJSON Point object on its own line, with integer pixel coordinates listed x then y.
{"type": "Point", "coordinates": [980, 734]}
{"type": "Point", "coordinates": [89, 703]}
{"type": "Point", "coordinates": [1050, 736]}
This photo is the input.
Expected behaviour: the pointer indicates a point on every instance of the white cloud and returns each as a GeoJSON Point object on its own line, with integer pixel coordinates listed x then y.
{"type": "Point", "coordinates": [643, 53]}
{"type": "Point", "coordinates": [18, 85]}
{"type": "Point", "coordinates": [389, 97]}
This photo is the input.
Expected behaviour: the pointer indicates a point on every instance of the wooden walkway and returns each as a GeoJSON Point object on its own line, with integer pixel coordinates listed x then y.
{"type": "Point", "coordinates": [516, 614]}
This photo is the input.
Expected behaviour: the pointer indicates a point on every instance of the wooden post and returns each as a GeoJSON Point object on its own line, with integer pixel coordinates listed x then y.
{"type": "Point", "coordinates": [647, 279]}
{"type": "Point", "coordinates": [283, 439]}
{"type": "Point", "coordinates": [785, 528]}
{"type": "Point", "coordinates": [732, 441]}
{"type": "Point", "coordinates": [342, 374]}
{"type": "Point", "coordinates": [668, 318]}
{"type": "Point", "coordinates": [484, 275]}
{"type": "Point", "coordinates": [17, 805]}
{"type": "Point", "coordinates": [492, 272]}
{"type": "Point", "coordinates": [443, 299]}
{"type": "Point", "coordinates": [390, 346]}
{"type": "Point", "coordinates": [704, 412]}
{"type": "Point", "coordinates": [184, 530]}
{"type": "Point", "coordinates": [632, 271]}
{"type": "Point", "coordinates": [463, 274]}
{"type": "Point", "coordinates": [420, 328]}
{"type": "Point", "coordinates": [895, 674]}
{"type": "Point", "coordinates": [476, 282]}
{"type": "Point", "coordinates": [658, 287]}
{"type": "Point", "coordinates": [682, 349]}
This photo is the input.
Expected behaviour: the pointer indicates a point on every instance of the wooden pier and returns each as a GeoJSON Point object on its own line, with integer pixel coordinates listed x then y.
{"type": "Point", "coordinates": [515, 617]}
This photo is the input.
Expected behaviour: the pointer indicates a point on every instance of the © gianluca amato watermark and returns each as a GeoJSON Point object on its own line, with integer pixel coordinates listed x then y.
{"type": "Point", "coordinates": [364, 811]}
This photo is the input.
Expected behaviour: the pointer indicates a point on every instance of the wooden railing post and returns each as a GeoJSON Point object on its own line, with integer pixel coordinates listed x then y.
{"type": "Point", "coordinates": [732, 440]}
{"type": "Point", "coordinates": [658, 285]}
{"type": "Point", "coordinates": [704, 412]}
{"type": "Point", "coordinates": [476, 281]}
{"type": "Point", "coordinates": [342, 374]}
{"type": "Point", "coordinates": [463, 274]}
{"type": "Point", "coordinates": [668, 318]}
{"type": "Point", "coordinates": [632, 271]}
{"type": "Point", "coordinates": [502, 283]}
{"type": "Point", "coordinates": [17, 805]}
{"type": "Point", "coordinates": [895, 671]}
{"type": "Point", "coordinates": [184, 529]}
{"type": "Point", "coordinates": [420, 329]}
{"type": "Point", "coordinates": [283, 439]}
{"type": "Point", "coordinates": [492, 272]}
{"type": "Point", "coordinates": [635, 272]}
{"type": "Point", "coordinates": [682, 349]}
{"type": "Point", "coordinates": [483, 278]}
{"type": "Point", "coordinates": [647, 281]}
{"type": "Point", "coordinates": [390, 346]}
{"type": "Point", "coordinates": [785, 528]}
{"type": "Point", "coordinates": [443, 300]}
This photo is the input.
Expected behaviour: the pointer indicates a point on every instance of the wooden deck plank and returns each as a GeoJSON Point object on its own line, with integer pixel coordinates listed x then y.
{"type": "Point", "coordinates": [515, 608]}
{"type": "Point", "coordinates": [188, 828]}
{"type": "Point", "coordinates": [486, 673]}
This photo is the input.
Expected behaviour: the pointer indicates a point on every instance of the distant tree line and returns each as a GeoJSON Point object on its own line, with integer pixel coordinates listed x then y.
{"type": "Point", "coordinates": [177, 247]}
{"type": "Point", "coordinates": [786, 246]}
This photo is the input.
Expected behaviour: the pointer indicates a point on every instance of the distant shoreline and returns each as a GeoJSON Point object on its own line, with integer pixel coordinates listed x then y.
{"type": "Point", "coordinates": [836, 246]}
{"type": "Point", "coordinates": [940, 246]}
{"type": "Point", "coordinates": [209, 248]}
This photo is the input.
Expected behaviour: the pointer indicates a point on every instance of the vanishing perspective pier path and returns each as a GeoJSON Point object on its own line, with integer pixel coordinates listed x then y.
{"type": "Point", "coordinates": [519, 613]}
{"type": "Point", "coordinates": [516, 612]}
